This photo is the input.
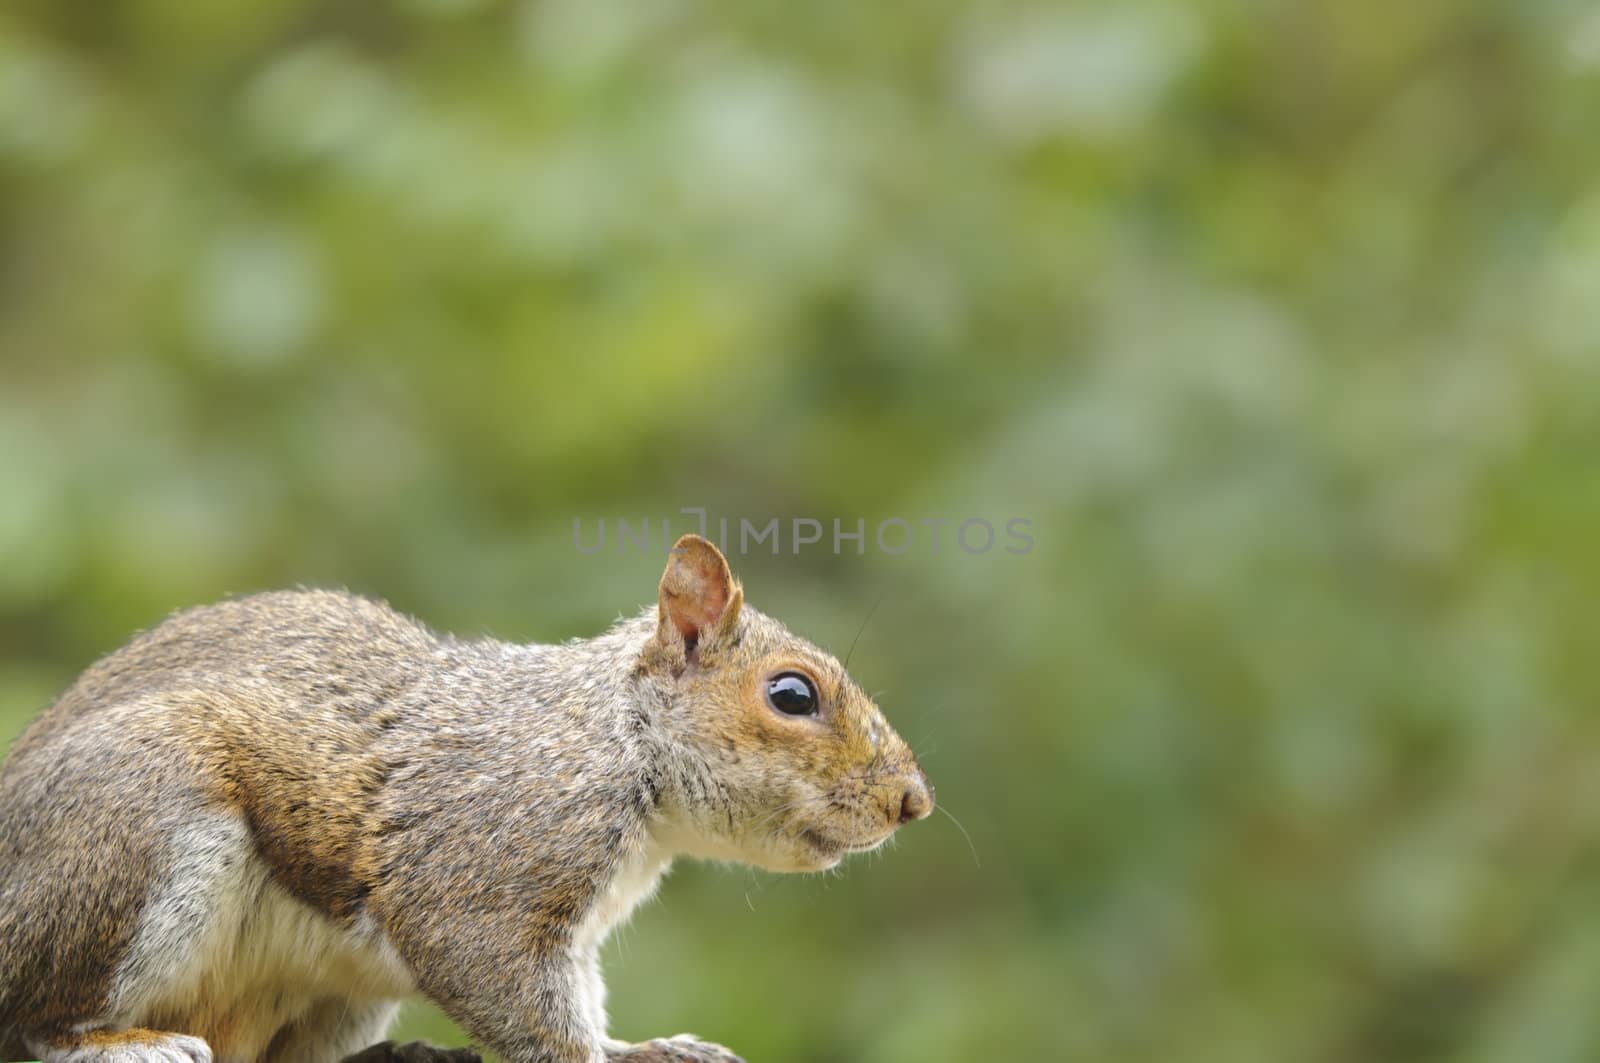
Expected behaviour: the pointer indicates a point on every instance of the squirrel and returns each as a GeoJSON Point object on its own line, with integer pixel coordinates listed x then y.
{"type": "Point", "coordinates": [250, 833]}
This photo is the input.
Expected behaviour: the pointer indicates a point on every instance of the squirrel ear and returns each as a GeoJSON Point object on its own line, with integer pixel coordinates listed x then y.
{"type": "Point", "coordinates": [699, 596]}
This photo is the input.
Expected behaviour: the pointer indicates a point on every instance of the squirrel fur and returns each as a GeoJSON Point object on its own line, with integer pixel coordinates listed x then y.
{"type": "Point", "coordinates": [251, 832]}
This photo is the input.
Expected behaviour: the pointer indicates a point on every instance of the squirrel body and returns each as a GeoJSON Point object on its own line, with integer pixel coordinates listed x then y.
{"type": "Point", "coordinates": [250, 833]}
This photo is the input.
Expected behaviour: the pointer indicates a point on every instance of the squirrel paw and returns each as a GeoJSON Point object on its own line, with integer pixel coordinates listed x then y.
{"type": "Point", "coordinates": [140, 1046]}
{"type": "Point", "coordinates": [684, 1048]}
{"type": "Point", "coordinates": [413, 1052]}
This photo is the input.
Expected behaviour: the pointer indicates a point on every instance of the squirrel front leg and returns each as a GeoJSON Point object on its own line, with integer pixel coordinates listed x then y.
{"type": "Point", "coordinates": [488, 938]}
{"type": "Point", "coordinates": [484, 889]}
{"type": "Point", "coordinates": [522, 1002]}
{"type": "Point", "coordinates": [549, 1018]}
{"type": "Point", "coordinates": [509, 975]}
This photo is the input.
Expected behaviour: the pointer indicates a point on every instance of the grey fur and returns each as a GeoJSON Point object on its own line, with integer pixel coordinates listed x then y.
{"type": "Point", "coordinates": [470, 816]}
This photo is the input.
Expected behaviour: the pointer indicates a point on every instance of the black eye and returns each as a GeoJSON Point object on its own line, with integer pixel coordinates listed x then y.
{"type": "Point", "coordinates": [792, 694]}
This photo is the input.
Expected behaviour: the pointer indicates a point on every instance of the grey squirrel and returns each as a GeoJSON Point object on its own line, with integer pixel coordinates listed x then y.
{"type": "Point", "coordinates": [251, 832]}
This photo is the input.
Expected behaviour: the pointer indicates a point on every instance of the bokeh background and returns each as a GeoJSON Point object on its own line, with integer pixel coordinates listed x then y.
{"type": "Point", "coordinates": [1280, 322]}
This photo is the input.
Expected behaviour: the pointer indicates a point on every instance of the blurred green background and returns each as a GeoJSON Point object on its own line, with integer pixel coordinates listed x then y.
{"type": "Point", "coordinates": [1280, 322]}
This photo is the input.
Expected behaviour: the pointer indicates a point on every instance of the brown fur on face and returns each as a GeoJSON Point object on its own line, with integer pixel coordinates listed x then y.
{"type": "Point", "coordinates": [787, 793]}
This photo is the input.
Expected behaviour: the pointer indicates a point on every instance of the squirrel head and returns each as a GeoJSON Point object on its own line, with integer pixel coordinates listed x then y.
{"type": "Point", "coordinates": [787, 763]}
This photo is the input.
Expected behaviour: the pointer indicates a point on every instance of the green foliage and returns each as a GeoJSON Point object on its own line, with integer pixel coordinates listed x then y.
{"type": "Point", "coordinates": [1281, 322]}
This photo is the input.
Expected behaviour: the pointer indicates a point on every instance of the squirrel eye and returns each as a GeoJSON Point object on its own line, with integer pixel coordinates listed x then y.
{"type": "Point", "coordinates": [792, 694]}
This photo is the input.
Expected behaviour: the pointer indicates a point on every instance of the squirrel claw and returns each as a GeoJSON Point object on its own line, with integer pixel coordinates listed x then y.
{"type": "Point", "coordinates": [413, 1052]}
{"type": "Point", "coordinates": [684, 1048]}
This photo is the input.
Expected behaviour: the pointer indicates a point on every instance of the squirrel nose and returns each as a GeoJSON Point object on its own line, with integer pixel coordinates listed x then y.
{"type": "Point", "coordinates": [917, 801]}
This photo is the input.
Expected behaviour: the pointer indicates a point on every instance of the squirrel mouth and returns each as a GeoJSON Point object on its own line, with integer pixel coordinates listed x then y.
{"type": "Point", "coordinates": [822, 843]}
{"type": "Point", "coordinates": [829, 846]}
